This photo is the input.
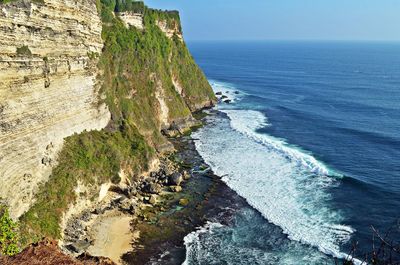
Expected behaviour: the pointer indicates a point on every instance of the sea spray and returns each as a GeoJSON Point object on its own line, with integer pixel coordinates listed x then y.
{"type": "Point", "coordinates": [288, 186]}
{"type": "Point", "coordinates": [247, 239]}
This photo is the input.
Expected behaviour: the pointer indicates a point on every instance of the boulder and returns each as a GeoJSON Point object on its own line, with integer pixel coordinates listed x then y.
{"type": "Point", "coordinates": [186, 175]}
{"type": "Point", "coordinates": [152, 188]}
{"type": "Point", "coordinates": [153, 199]}
{"type": "Point", "coordinates": [175, 179]}
{"type": "Point", "coordinates": [169, 170]}
{"type": "Point", "coordinates": [46, 161]}
{"type": "Point", "coordinates": [176, 188]}
{"type": "Point", "coordinates": [86, 216]}
{"type": "Point", "coordinates": [183, 202]}
{"type": "Point", "coordinates": [79, 246]}
{"type": "Point", "coordinates": [162, 175]}
{"type": "Point", "coordinates": [132, 192]}
{"type": "Point", "coordinates": [98, 210]}
{"type": "Point", "coordinates": [128, 205]}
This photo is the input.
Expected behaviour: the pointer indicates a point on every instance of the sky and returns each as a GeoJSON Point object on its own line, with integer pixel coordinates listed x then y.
{"type": "Point", "coordinates": [355, 20]}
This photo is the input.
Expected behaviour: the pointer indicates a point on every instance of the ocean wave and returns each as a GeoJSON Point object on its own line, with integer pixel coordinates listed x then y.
{"type": "Point", "coordinates": [287, 185]}
{"type": "Point", "coordinates": [370, 135]}
{"type": "Point", "coordinates": [248, 240]}
{"type": "Point", "coordinates": [193, 243]}
{"type": "Point", "coordinates": [230, 91]}
{"type": "Point", "coordinates": [247, 122]}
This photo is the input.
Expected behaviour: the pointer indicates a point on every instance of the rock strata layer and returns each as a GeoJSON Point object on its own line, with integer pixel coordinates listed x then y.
{"type": "Point", "coordinates": [170, 31]}
{"type": "Point", "coordinates": [48, 89]}
{"type": "Point", "coordinates": [132, 19]}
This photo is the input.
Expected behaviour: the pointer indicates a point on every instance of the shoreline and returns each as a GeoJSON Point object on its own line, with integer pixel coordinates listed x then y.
{"type": "Point", "coordinates": [146, 219]}
{"type": "Point", "coordinates": [208, 198]}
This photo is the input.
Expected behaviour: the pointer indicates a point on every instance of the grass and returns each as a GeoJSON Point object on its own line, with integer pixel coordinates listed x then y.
{"type": "Point", "coordinates": [92, 158]}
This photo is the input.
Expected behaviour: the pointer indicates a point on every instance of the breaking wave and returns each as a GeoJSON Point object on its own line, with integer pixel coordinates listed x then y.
{"type": "Point", "coordinates": [287, 185]}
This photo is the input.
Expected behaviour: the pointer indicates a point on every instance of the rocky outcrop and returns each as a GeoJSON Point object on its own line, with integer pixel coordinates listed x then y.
{"type": "Point", "coordinates": [132, 19]}
{"type": "Point", "coordinates": [48, 89]}
{"type": "Point", "coordinates": [170, 31]}
{"type": "Point", "coordinates": [180, 126]}
{"type": "Point", "coordinates": [178, 87]}
{"type": "Point", "coordinates": [163, 110]}
{"type": "Point", "coordinates": [91, 230]}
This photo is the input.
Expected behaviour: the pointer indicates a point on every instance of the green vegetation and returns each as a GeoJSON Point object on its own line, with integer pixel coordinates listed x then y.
{"type": "Point", "coordinates": [24, 50]}
{"type": "Point", "coordinates": [6, 1]}
{"type": "Point", "coordinates": [139, 63]}
{"type": "Point", "coordinates": [92, 158]}
{"type": "Point", "coordinates": [93, 55]}
{"type": "Point", "coordinates": [136, 65]}
{"type": "Point", "coordinates": [8, 233]}
{"type": "Point", "coordinates": [197, 88]}
{"type": "Point", "coordinates": [133, 6]}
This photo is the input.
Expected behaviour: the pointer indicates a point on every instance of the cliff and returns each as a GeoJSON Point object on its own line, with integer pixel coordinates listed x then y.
{"type": "Point", "coordinates": [88, 91]}
{"type": "Point", "coordinates": [48, 89]}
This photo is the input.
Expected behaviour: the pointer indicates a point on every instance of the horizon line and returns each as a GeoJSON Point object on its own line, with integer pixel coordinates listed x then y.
{"type": "Point", "coordinates": [292, 40]}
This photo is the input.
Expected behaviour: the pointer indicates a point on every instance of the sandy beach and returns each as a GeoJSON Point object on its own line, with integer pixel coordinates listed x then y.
{"type": "Point", "coordinates": [113, 236]}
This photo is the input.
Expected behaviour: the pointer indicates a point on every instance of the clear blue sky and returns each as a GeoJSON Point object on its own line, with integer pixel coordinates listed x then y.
{"type": "Point", "coordinates": [287, 19]}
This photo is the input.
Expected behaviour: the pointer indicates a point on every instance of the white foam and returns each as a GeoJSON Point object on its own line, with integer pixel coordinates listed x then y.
{"type": "Point", "coordinates": [230, 91]}
{"type": "Point", "coordinates": [247, 122]}
{"type": "Point", "coordinates": [193, 243]}
{"type": "Point", "coordinates": [241, 244]}
{"type": "Point", "coordinates": [287, 185]}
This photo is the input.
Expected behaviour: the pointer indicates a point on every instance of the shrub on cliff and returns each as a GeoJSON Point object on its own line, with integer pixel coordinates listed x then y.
{"type": "Point", "coordinates": [24, 51]}
{"type": "Point", "coordinates": [8, 234]}
{"type": "Point", "coordinates": [130, 5]}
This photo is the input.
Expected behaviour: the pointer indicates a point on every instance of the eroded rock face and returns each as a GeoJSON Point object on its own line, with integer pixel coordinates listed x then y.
{"type": "Point", "coordinates": [48, 89]}
{"type": "Point", "coordinates": [132, 19]}
{"type": "Point", "coordinates": [170, 31]}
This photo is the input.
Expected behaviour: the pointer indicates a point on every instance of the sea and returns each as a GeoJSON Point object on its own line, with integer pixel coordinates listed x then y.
{"type": "Point", "coordinates": [308, 133]}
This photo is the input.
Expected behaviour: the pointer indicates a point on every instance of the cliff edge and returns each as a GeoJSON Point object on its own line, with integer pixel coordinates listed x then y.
{"type": "Point", "coordinates": [48, 89]}
{"type": "Point", "coordinates": [89, 90]}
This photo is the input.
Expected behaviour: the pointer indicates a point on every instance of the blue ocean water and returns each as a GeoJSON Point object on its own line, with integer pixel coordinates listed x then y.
{"type": "Point", "coordinates": [311, 140]}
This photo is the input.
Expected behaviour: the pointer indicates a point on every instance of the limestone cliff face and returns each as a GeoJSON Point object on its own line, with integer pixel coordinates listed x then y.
{"type": "Point", "coordinates": [132, 19]}
{"type": "Point", "coordinates": [59, 61]}
{"type": "Point", "coordinates": [48, 89]}
{"type": "Point", "coordinates": [170, 30]}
